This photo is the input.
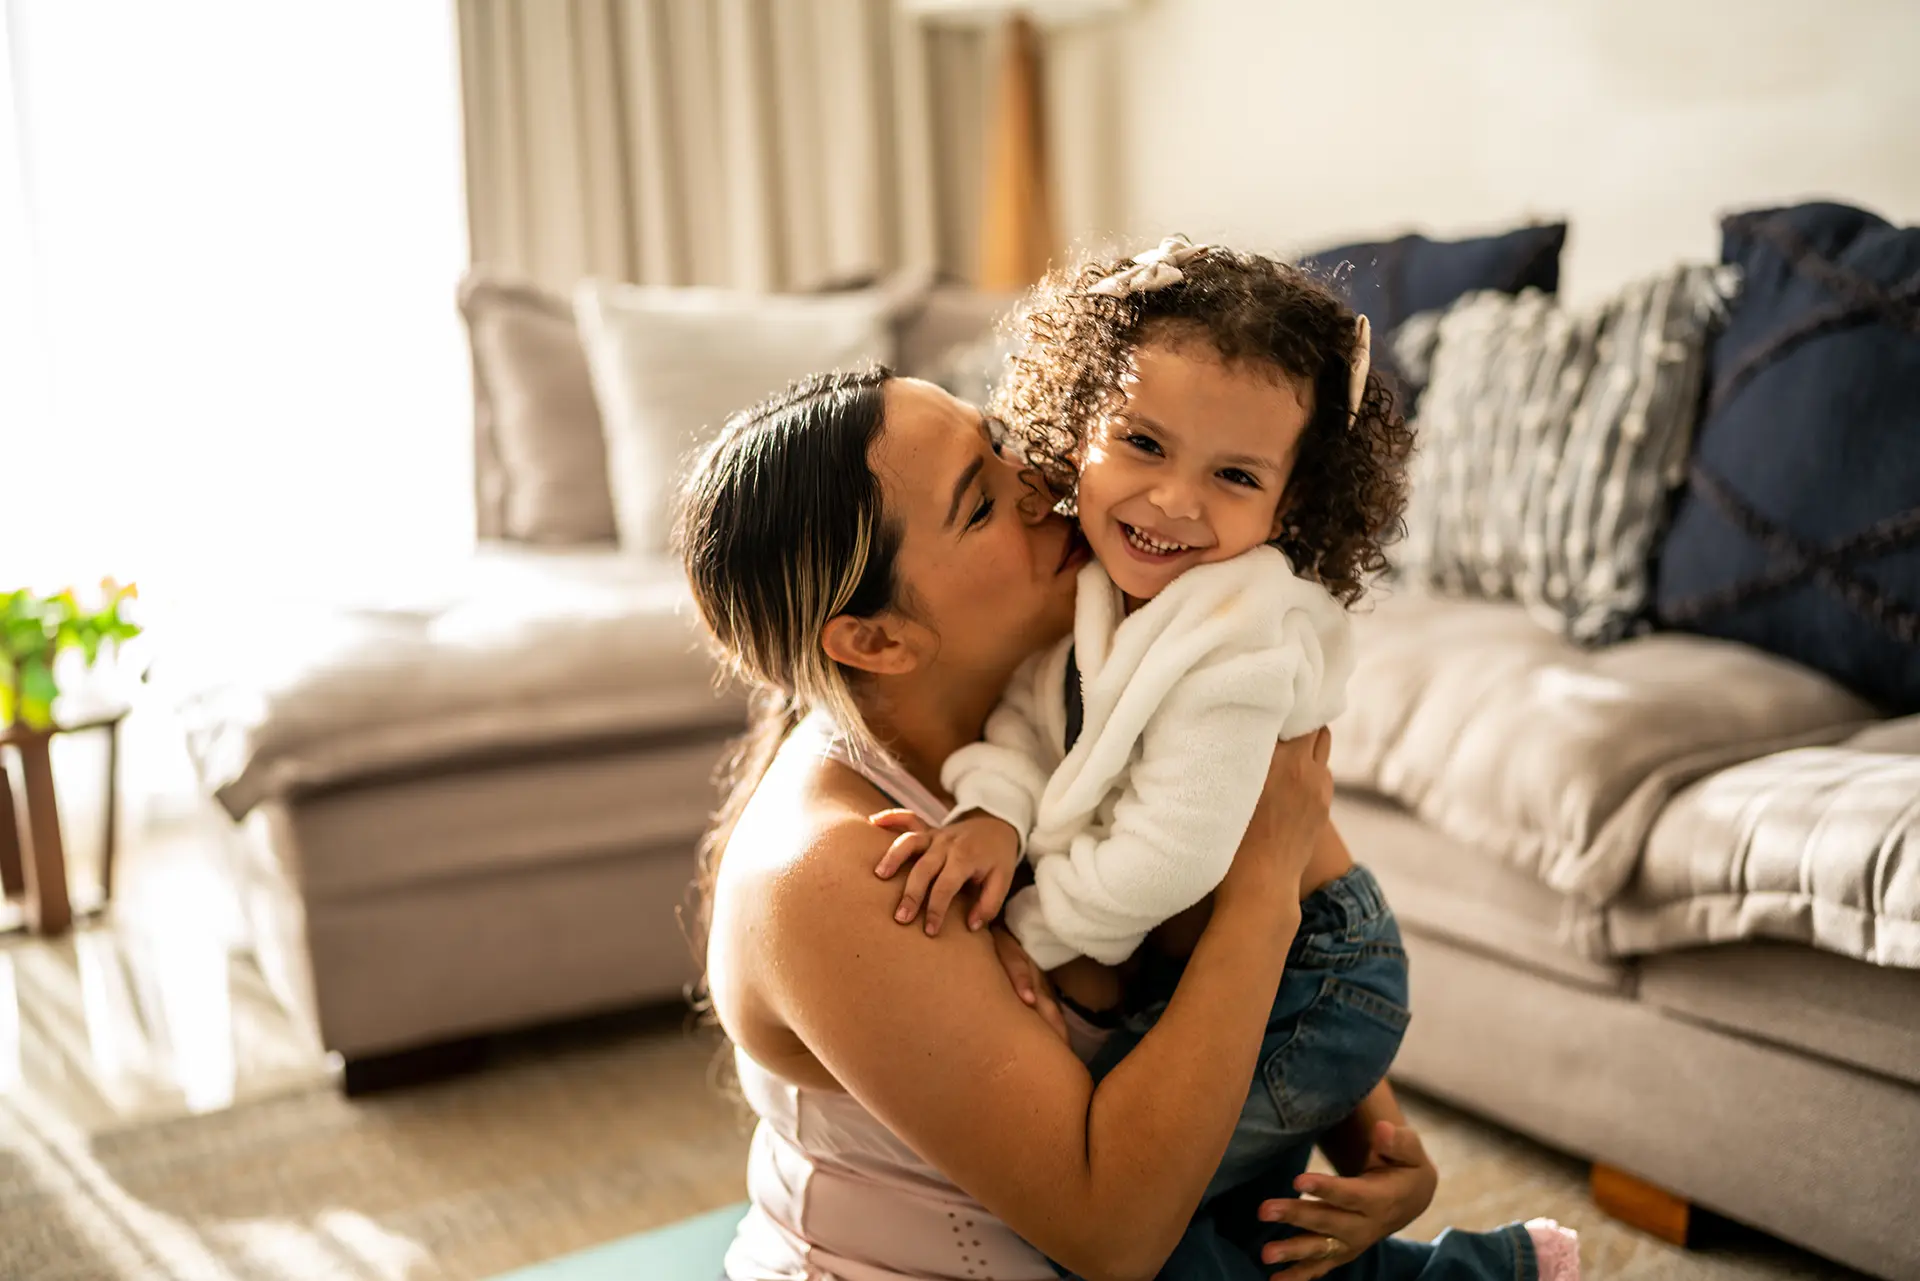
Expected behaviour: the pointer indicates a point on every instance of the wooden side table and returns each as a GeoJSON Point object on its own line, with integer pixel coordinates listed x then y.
{"type": "Point", "coordinates": [33, 860]}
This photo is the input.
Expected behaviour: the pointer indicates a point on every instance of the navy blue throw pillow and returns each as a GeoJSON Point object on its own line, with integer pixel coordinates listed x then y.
{"type": "Point", "coordinates": [1799, 531]}
{"type": "Point", "coordinates": [1389, 280]}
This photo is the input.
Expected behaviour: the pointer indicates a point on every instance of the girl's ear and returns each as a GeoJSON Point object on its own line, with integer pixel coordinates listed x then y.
{"type": "Point", "coordinates": [885, 645]}
{"type": "Point", "coordinates": [1281, 513]}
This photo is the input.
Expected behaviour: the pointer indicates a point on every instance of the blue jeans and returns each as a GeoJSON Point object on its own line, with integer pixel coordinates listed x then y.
{"type": "Point", "coordinates": [1334, 1029]}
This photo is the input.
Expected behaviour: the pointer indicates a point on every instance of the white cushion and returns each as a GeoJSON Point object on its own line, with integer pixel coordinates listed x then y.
{"type": "Point", "coordinates": [670, 365]}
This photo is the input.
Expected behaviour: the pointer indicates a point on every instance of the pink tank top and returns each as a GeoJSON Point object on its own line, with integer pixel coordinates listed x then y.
{"type": "Point", "coordinates": [835, 1196]}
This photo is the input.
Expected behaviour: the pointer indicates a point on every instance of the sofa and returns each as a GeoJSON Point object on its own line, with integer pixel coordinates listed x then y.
{"type": "Point", "coordinates": [1653, 1017]}
{"type": "Point", "coordinates": [1659, 894]}
{"type": "Point", "coordinates": [468, 797]}
{"type": "Point", "coordinates": [1632, 739]}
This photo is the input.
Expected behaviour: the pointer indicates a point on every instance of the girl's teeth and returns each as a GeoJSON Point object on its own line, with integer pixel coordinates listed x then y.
{"type": "Point", "coordinates": [1145, 543]}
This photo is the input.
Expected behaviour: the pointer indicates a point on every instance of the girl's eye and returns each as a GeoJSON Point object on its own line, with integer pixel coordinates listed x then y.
{"type": "Point", "coordinates": [981, 514]}
{"type": "Point", "coordinates": [1145, 444]}
{"type": "Point", "coordinates": [1234, 476]}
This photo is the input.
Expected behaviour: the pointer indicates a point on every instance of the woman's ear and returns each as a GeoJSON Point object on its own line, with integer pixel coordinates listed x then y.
{"type": "Point", "coordinates": [880, 644]}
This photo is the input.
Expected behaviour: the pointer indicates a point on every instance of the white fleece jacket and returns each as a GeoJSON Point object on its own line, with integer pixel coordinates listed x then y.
{"type": "Point", "coordinates": [1184, 701]}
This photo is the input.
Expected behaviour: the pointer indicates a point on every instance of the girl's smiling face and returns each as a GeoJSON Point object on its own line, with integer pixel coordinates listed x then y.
{"type": "Point", "coordinates": [1190, 468]}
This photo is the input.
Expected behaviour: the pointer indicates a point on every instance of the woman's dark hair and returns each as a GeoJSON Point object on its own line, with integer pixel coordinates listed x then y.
{"type": "Point", "coordinates": [781, 528]}
{"type": "Point", "coordinates": [1348, 490]}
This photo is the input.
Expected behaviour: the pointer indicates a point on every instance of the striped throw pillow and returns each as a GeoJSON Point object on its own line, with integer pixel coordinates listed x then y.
{"type": "Point", "coordinates": [1549, 441]}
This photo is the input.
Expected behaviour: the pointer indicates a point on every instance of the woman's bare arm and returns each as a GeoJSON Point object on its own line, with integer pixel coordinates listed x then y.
{"type": "Point", "coordinates": [929, 1036]}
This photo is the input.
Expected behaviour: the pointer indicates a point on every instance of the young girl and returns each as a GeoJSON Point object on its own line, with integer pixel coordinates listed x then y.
{"type": "Point", "coordinates": [1210, 417]}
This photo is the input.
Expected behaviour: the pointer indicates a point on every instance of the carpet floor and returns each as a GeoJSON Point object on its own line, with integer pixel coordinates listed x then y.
{"type": "Point", "coordinates": [566, 1140]}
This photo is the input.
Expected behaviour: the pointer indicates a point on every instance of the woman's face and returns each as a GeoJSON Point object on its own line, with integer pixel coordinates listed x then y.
{"type": "Point", "coordinates": [988, 568]}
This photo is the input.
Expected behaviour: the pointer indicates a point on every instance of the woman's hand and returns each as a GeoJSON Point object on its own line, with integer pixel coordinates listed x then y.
{"type": "Point", "coordinates": [1286, 824]}
{"type": "Point", "coordinates": [1029, 981]}
{"type": "Point", "coordinates": [1353, 1214]}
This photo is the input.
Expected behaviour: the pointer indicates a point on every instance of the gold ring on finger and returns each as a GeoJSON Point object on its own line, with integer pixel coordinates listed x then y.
{"type": "Point", "coordinates": [1332, 1248]}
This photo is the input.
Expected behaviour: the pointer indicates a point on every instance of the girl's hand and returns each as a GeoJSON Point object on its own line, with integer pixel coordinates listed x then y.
{"type": "Point", "coordinates": [977, 849]}
{"type": "Point", "coordinates": [1029, 981]}
{"type": "Point", "coordinates": [1354, 1214]}
{"type": "Point", "coordinates": [1287, 822]}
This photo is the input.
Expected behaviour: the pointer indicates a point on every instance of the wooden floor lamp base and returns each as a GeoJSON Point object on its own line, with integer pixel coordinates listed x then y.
{"type": "Point", "coordinates": [1016, 238]}
{"type": "Point", "coordinates": [1640, 1204]}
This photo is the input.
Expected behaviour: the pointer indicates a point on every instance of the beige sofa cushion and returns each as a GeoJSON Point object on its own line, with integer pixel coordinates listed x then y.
{"type": "Point", "coordinates": [1439, 888]}
{"type": "Point", "coordinates": [516, 649]}
{"type": "Point", "coordinates": [514, 814]}
{"type": "Point", "coordinates": [409, 965]}
{"type": "Point", "coordinates": [1818, 846]}
{"type": "Point", "coordinates": [946, 318]}
{"type": "Point", "coordinates": [1828, 1006]}
{"type": "Point", "coordinates": [540, 465]}
{"type": "Point", "coordinates": [670, 365]}
{"type": "Point", "coordinates": [1552, 757]}
{"type": "Point", "coordinates": [542, 461]}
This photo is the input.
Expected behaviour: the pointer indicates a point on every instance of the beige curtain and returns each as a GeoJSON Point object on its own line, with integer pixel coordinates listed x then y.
{"type": "Point", "coordinates": [758, 144]}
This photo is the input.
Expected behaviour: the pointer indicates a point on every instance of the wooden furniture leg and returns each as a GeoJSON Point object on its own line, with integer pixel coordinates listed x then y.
{"type": "Point", "coordinates": [404, 1069]}
{"type": "Point", "coordinates": [48, 911]}
{"type": "Point", "coordinates": [1640, 1204]}
{"type": "Point", "coordinates": [112, 834]}
{"type": "Point", "coordinates": [13, 877]}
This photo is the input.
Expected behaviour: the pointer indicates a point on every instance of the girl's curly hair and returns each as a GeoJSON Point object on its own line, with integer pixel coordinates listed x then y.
{"type": "Point", "coordinates": [1348, 489]}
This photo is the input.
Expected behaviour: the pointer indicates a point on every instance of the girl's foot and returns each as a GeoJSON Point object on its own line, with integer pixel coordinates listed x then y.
{"type": "Point", "coordinates": [1557, 1248]}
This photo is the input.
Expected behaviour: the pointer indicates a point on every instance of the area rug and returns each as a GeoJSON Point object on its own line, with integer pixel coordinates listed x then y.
{"type": "Point", "coordinates": [564, 1142]}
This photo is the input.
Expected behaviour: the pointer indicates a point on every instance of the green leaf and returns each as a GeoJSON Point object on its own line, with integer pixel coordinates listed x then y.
{"type": "Point", "coordinates": [36, 681]}
{"type": "Point", "coordinates": [6, 701]}
{"type": "Point", "coordinates": [37, 691]}
{"type": "Point", "coordinates": [24, 636]}
{"type": "Point", "coordinates": [35, 627]}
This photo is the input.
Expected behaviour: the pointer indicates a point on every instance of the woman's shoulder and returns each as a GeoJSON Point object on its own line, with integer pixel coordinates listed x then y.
{"type": "Point", "coordinates": [804, 846]}
{"type": "Point", "coordinates": [794, 884]}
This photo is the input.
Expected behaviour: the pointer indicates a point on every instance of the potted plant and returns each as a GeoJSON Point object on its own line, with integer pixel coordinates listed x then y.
{"type": "Point", "coordinates": [35, 630]}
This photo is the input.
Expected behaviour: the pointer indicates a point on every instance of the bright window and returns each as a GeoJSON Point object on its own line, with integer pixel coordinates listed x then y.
{"type": "Point", "coordinates": [230, 233]}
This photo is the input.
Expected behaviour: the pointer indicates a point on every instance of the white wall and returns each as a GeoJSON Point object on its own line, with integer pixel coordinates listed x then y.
{"type": "Point", "coordinates": [1287, 125]}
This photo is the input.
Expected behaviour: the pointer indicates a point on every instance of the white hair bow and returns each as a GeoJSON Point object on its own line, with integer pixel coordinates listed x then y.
{"type": "Point", "coordinates": [1159, 267]}
{"type": "Point", "coordinates": [1155, 269]}
{"type": "Point", "coordinates": [1362, 362]}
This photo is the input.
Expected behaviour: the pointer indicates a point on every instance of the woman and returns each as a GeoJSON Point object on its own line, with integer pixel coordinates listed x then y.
{"type": "Point", "coordinates": [859, 546]}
